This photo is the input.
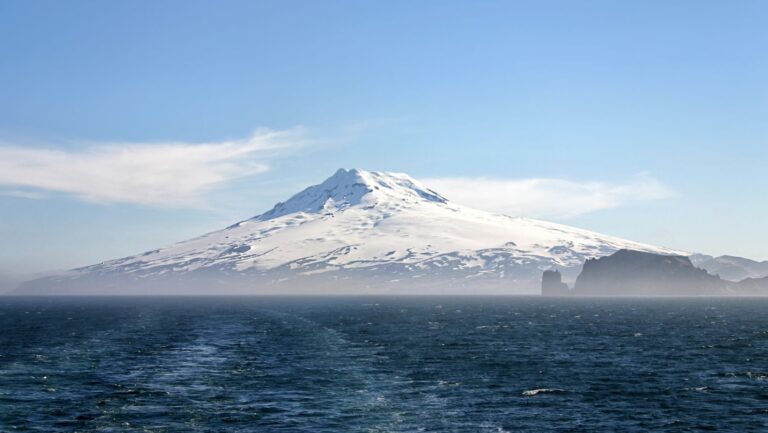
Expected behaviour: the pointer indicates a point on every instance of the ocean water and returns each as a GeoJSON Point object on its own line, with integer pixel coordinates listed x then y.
{"type": "Point", "coordinates": [516, 364]}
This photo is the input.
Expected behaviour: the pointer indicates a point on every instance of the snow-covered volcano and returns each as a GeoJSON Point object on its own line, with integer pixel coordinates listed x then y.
{"type": "Point", "coordinates": [359, 231]}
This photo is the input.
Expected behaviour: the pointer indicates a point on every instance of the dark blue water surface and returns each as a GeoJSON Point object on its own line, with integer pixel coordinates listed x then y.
{"type": "Point", "coordinates": [382, 365]}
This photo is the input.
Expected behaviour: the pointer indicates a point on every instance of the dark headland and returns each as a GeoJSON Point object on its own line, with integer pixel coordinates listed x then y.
{"type": "Point", "coordinates": [637, 273]}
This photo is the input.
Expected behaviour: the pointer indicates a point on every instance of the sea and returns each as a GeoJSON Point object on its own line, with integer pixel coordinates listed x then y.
{"type": "Point", "coordinates": [383, 364]}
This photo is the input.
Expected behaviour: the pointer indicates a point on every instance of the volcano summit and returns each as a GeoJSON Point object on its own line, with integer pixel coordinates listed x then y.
{"type": "Point", "coordinates": [357, 232]}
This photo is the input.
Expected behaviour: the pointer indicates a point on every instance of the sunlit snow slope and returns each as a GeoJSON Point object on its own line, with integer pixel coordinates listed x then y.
{"type": "Point", "coordinates": [359, 231]}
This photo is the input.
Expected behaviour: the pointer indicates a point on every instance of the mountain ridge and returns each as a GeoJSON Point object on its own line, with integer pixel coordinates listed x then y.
{"type": "Point", "coordinates": [731, 268]}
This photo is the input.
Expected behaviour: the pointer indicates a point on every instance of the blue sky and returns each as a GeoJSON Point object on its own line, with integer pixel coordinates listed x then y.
{"type": "Point", "coordinates": [125, 126]}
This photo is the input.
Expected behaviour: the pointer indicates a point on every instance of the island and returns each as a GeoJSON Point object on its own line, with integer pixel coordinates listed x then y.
{"type": "Point", "coordinates": [629, 273]}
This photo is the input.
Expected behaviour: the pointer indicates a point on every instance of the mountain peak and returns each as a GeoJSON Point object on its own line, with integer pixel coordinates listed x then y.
{"type": "Point", "coordinates": [354, 187]}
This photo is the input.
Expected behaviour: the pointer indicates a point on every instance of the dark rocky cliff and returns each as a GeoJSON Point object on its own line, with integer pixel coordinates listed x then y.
{"type": "Point", "coordinates": [552, 284]}
{"type": "Point", "coordinates": [635, 273]}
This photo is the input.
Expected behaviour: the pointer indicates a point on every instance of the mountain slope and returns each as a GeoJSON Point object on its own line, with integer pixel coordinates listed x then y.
{"type": "Point", "coordinates": [357, 231]}
{"type": "Point", "coordinates": [731, 268]}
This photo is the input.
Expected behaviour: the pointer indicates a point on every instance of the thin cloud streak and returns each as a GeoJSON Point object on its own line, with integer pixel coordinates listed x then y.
{"type": "Point", "coordinates": [17, 193]}
{"type": "Point", "coordinates": [547, 197]}
{"type": "Point", "coordinates": [164, 174]}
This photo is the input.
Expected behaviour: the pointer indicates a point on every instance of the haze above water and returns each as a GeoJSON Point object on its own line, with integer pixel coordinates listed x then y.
{"type": "Point", "coordinates": [382, 364]}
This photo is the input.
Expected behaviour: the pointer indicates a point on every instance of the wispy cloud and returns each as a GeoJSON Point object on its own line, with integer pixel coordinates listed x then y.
{"type": "Point", "coordinates": [168, 174]}
{"type": "Point", "coordinates": [547, 197]}
{"type": "Point", "coordinates": [20, 193]}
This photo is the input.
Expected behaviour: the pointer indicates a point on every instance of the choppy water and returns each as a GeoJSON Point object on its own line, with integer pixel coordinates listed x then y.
{"type": "Point", "coordinates": [383, 365]}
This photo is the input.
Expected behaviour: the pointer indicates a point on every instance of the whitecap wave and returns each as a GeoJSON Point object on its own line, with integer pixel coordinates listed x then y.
{"type": "Point", "coordinates": [537, 391]}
